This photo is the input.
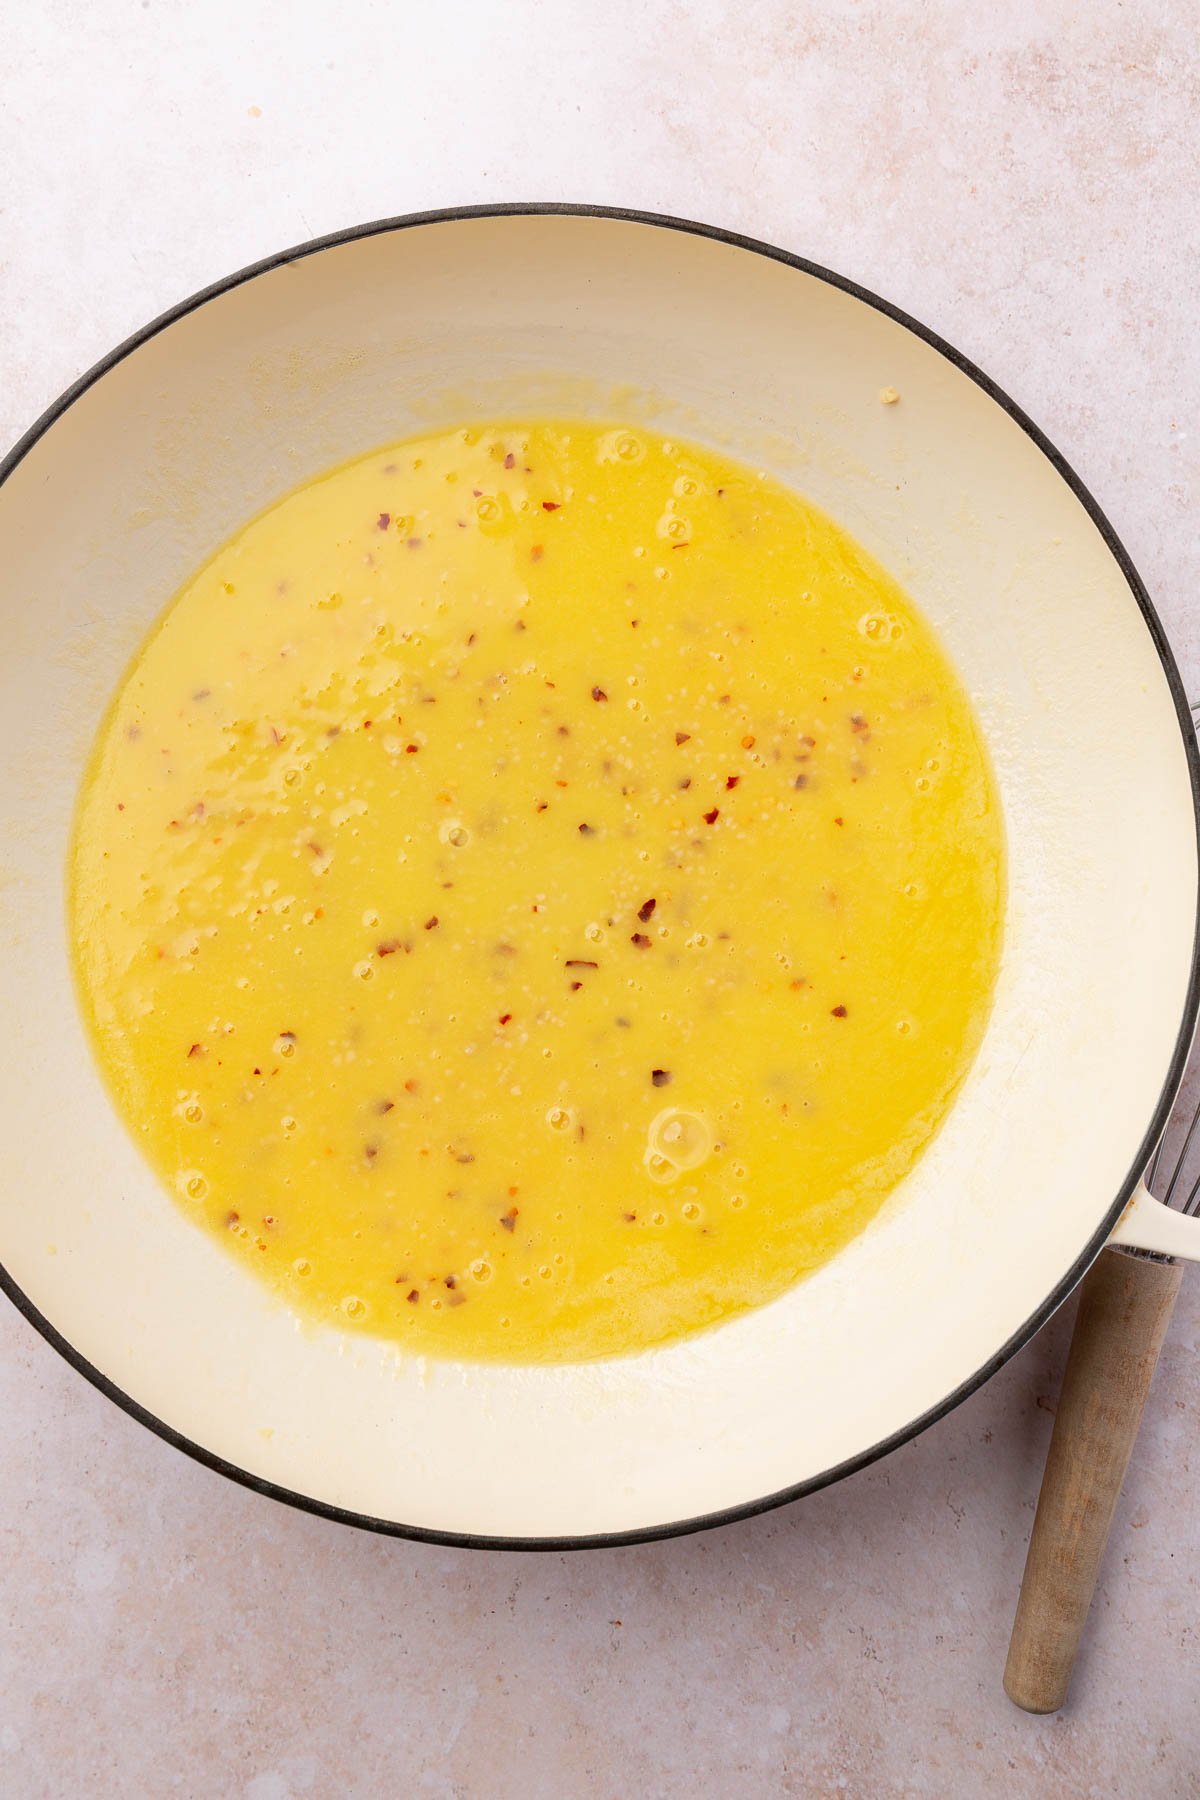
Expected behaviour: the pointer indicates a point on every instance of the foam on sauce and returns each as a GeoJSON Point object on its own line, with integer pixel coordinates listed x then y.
{"type": "Point", "coordinates": [536, 892]}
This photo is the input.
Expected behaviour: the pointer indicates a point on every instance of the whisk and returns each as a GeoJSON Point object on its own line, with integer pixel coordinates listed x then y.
{"type": "Point", "coordinates": [1125, 1306]}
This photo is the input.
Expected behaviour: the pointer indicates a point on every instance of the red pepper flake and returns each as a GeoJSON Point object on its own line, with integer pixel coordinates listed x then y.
{"type": "Point", "coordinates": [505, 1018]}
{"type": "Point", "coordinates": [382, 1107]}
{"type": "Point", "coordinates": [411, 749]}
{"type": "Point", "coordinates": [839, 821]}
{"type": "Point", "coordinates": [414, 1294]}
{"type": "Point", "coordinates": [641, 940]}
{"type": "Point", "coordinates": [839, 1012]}
{"type": "Point", "coordinates": [450, 1282]}
{"type": "Point", "coordinates": [231, 1219]}
{"type": "Point", "coordinates": [414, 543]}
{"type": "Point", "coordinates": [508, 1220]}
{"type": "Point", "coordinates": [660, 1077]}
{"type": "Point", "coordinates": [686, 544]}
{"type": "Point", "coordinates": [646, 910]}
{"type": "Point", "coordinates": [431, 923]}
{"type": "Point", "coordinates": [370, 1151]}
{"type": "Point", "coordinates": [798, 984]}
{"type": "Point", "coordinates": [412, 1086]}
{"type": "Point", "coordinates": [510, 461]}
{"type": "Point", "coordinates": [857, 722]}
{"type": "Point", "coordinates": [383, 521]}
{"type": "Point", "coordinates": [809, 743]}
{"type": "Point", "coordinates": [731, 781]}
{"type": "Point", "coordinates": [549, 505]}
{"type": "Point", "coordinates": [388, 947]}
{"type": "Point", "coordinates": [683, 737]}
{"type": "Point", "coordinates": [520, 625]}
{"type": "Point", "coordinates": [287, 1037]}
{"type": "Point", "coordinates": [315, 847]}
{"type": "Point", "coordinates": [275, 735]}
{"type": "Point", "coordinates": [629, 1217]}
{"type": "Point", "coordinates": [579, 962]}
{"type": "Point", "coordinates": [587, 830]}
{"type": "Point", "coordinates": [536, 552]}
{"type": "Point", "coordinates": [120, 806]}
{"type": "Point", "coordinates": [598, 693]}
{"type": "Point", "coordinates": [712, 815]}
{"type": "Point", "coordinates": [541, 806]}
{"type": "Point", "coordinates": [506, 950]}
{"type": "Point", "coordinates": [196, 1050]}
{"type": "Point", "coordinates": [575, 986]}
{"type": "Point", "coordinates": [462, 1156]}
{"type": "Point", "coordinates": [801, 781]}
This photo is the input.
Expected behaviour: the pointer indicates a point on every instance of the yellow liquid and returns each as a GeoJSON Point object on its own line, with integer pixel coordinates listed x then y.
{"type": "Point", "coordinates": [537, 891]}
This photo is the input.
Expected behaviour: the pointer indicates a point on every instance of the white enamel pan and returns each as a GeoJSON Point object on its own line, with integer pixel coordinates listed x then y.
{"type": "Point", "coordinates": [152, 459]}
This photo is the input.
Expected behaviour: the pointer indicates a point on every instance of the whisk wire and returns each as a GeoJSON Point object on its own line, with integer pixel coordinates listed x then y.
{"type": "Point", "coordinates": [1192, 1203]}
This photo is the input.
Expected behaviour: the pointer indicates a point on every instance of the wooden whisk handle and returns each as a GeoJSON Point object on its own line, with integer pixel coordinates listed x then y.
{"type": "Point", "coordinates": [1125, 1307]}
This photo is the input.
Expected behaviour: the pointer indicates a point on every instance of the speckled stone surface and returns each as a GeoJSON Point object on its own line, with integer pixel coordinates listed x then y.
{"type": "Point", "coordinates": [1021, 177]}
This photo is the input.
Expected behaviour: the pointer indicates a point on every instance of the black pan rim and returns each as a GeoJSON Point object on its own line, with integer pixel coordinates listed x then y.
{"type": "Point", "coordinates": [768, 1502]}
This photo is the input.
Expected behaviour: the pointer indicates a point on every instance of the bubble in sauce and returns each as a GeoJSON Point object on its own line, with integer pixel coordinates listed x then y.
{"type": "Point", "coordinates": [194, 1185]}
{"type": "Point", "coordinates": [880, 628]}
{"type": "Point", "coordinates": [682, 1139]}
{"type": "Point", "coordinates": [454, 833]}
{"type": "Point", "coordinates": [560, 1118]}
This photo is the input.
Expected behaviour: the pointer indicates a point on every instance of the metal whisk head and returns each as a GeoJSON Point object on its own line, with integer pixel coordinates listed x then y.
{"type": "Point", "coordinates": [1173, 1173]}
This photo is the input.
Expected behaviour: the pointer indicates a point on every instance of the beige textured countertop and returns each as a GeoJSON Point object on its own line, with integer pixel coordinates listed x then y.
{"type": "Point", "coordinates": [1024, 179]}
